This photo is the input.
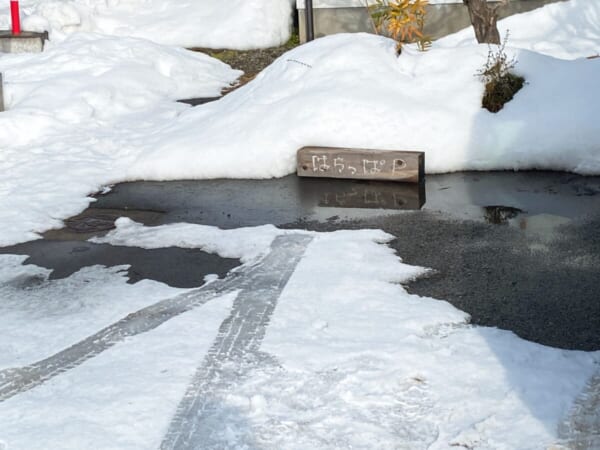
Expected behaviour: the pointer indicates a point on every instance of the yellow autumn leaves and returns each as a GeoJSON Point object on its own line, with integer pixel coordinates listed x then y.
{"type": "Point", "coordinates": [403, 20]}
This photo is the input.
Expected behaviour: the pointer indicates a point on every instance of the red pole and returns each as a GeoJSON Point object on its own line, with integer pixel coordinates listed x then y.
{"type": "Point", "coordinates": [16, 18]}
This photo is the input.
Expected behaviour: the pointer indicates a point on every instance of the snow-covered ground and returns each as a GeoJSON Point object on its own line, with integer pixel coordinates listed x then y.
{"type": "Point", "coordinates": [79, 114]}
{"type": "Point", "coordinates": [349, 359]}
{"type": "Point", "coordinates": [566, 30]}
{"type": "Point", "coordinates": [352, 91]}
{"type": "Point", "coordinates": [239, 24]}
{"type": "Point", "coordinates": [93, 110]}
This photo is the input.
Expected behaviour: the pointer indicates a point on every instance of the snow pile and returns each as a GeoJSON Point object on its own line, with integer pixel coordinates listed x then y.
{"type": "Point", "coordinates": [239, 24]}
{"type": "Point", "coordinates": [245, 244]}
{"type": "Point", "coordinates": [137, 72]}
{"type": "Point", "coordinates": [77, 115]}
{"type": "Point", "coordinates": [357, 362]}
{"type": "Point", "coordinates": [566, 30]}
{"type": "Point", "coordinates": [352, 91]}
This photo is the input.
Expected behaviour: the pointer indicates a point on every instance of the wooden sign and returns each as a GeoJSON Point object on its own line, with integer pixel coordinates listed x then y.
{"type": "Point", "coordinates": [361, 164]}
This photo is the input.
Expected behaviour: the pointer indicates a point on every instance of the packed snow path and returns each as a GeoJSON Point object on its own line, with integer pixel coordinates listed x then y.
{"type": "Point", "coordinates": [270, 273]}
{"type": "Point", "coordinates": [581, 429]}
{"type": "Point", "coordinates": [236, 348]}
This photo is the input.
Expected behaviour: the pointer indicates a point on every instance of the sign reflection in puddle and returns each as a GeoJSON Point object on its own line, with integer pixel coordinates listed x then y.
{"type": "Point", "coordinates": [364, 194]}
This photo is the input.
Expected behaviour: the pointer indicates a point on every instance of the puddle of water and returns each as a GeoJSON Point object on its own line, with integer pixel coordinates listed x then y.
{"type": "Point", "coordinates": [488, 197]}
{"type": "Point", "coordinates": [474, 195]}
{"type": "Point", "coordinates": [543, 227]}
{"type": "Point", "coordinates": [353, 196]}
{"type": "Point", "coordinates": [536, 203]}
{"type": "Point", "coordinates": [500, 215]}
{"type": "Point", "coordinates": [177, 267]}
{"type": "Point", "coordinates": [97, 221]}
{"type": "Point", "coordinates": [240, 203]}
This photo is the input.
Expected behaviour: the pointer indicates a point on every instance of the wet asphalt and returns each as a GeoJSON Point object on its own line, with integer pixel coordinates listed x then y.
{"type": "Point", "coordinates": [518, 251]}
{"type": "Point", "coordinates": [546, 292]}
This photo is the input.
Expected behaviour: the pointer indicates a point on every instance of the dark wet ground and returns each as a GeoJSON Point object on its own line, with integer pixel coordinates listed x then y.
{"type": "Point", "coordinates": [178, 267]}
{"type": "Point", "coordinates": [520, 251]}
{"type": "Point", "coordinates": [544, 289]}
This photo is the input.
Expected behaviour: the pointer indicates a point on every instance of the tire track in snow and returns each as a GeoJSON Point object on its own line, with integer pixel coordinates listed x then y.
{"type": "Point", "coordinates": [236, 348]}
{"type": "Point", "coordinates": [581, 430]}
{"type": "Point", "coordinates": [14, 381]}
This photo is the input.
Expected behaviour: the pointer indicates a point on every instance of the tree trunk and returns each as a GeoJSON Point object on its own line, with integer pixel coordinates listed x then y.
{"type": "Point", "coordinates": [484, 18]}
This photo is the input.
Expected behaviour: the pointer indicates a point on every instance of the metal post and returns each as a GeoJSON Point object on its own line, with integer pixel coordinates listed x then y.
{"type": "Point", "coordinates": [310, 26]}
{"type": "Point", "coordinates": [15, 17]}
{"type": "Point", "coordinates": [1, 95]}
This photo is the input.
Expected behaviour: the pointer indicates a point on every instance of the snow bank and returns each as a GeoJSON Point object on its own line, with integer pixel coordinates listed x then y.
{"type": "Point", "coordinates": [239, 24]}
{"type": "Point", "coordinates": [77, 115]}
{"type": "Point", "coordinates": [566, 30]}
{"type": "Point", "coordinates": [352, 91]}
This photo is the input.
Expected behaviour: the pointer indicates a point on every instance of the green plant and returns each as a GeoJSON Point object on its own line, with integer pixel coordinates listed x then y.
{"type": "Point", "coordinates": [403, 20]}
{"type": "Point", "coordinates": [294, 41]}
{"type": "Point", "coordinates": [501, 84]}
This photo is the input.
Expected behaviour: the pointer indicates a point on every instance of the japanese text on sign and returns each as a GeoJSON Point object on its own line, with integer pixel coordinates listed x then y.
{"type": "Point", "coordinates": [322, 163]}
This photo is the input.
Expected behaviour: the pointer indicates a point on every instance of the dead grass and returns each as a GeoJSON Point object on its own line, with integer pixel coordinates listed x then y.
{"type": "Point", "coordinates": [251, 62]}
{"type": "Point", "coordinates": [499, 92]}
